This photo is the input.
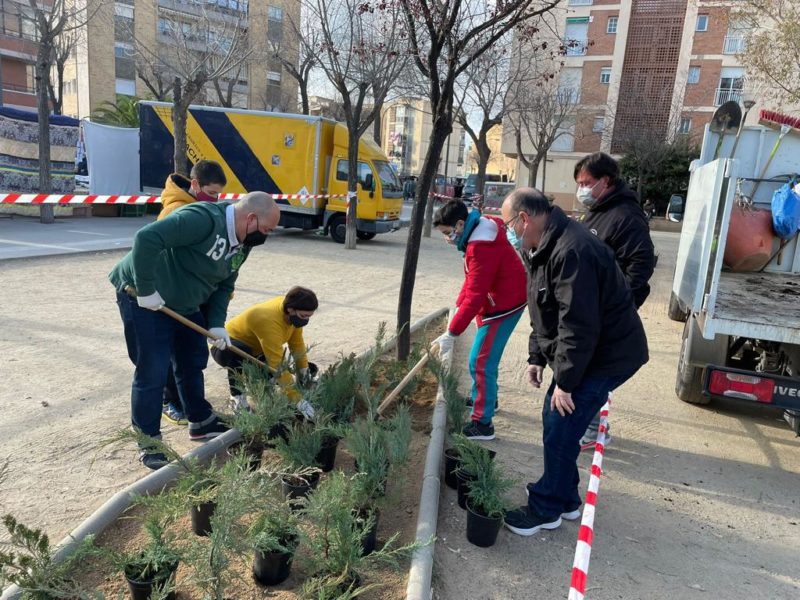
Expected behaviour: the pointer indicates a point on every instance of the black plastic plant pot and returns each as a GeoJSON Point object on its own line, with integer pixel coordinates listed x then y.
{"type": "Point", "coordinates": [452, 460]}
{"type": "Point", "coordinates": [254, 451]}
{"type": "Point", "coordinates": [370, 540]}
{"type": "Point", "coordinates": [482, 530]}
{"type": "Point", "coordinates": [201, 517]}
{"type": "Point", "coordinates": [295, 488]}
{"type": "Point", "coordinates": [327, 455]}
{"type": "Point", "coordinates": [143, 590]}
{"type": "Point", "coordinates": [272, 568]}
{"type": "Point", "coordinates": [464, 479]}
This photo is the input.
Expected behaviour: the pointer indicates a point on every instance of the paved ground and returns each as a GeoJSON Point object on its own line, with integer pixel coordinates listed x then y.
{"type": "Point", "coordinates": [695, 503]}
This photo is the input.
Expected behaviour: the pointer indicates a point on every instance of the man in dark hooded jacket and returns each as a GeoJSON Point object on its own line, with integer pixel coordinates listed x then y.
{"type": "Point", "coordinates": [615, 217]}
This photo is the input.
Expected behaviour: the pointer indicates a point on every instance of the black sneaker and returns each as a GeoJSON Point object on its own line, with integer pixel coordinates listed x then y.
{"type": "Point", "coordinates": [479, 431]}
{"type": "Point", "coordinates": [523, 521]}
{"type": "Point", "coordinates": [571, 514]}
{"type": "Point", "coordinates": [153, 460]}
{"type": "Point", "coordinates": [207, 431]}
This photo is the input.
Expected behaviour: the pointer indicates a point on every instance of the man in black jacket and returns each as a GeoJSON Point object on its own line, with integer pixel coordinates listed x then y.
{"type": "Point", "coordinates": [615, 217]}
{"type": "Point", "coordinates": [586, 328]}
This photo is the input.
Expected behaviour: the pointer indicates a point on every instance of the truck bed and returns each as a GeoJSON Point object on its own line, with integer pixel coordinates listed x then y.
{"type": "Point", "coordinates": [758, 305]}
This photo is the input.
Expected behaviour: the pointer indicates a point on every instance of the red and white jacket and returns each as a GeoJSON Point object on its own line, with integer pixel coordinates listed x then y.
{"type": "Point", "coordinates": [495, 283]}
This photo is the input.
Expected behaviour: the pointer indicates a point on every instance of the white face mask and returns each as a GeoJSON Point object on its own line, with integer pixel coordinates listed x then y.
{"type": "Point", "coordinates": [585, 195]}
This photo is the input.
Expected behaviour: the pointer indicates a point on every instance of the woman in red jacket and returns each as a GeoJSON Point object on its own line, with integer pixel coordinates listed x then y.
{"type": "Point", "coordinates": [494, 292]}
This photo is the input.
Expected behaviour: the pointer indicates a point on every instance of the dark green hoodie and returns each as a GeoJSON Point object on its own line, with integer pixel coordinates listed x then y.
{"type": "Point", "coordinates": [187, 258]}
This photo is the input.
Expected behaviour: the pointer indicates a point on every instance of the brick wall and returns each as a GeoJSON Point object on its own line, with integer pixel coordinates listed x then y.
{"type": "Point", "coordinates": [600, 42]}
{"type": "Point", "coordinates": [592, 91]}
{"type": "Point", "coordinates": [711, 41]}
{"type": "Point", "coordinates": [698, 122]}
{"type": "Point", "coordinates": [586, 140]}
{"type": "Point", "coordinates": [703, 93]}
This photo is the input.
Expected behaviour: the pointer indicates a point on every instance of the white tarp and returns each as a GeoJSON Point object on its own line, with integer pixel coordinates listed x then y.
{"type": "Point", "coordinates": [112, 155]}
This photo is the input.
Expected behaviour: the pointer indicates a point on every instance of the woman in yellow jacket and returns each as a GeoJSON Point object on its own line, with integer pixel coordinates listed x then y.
{"type": "Point", "coordinates": [262, 330]}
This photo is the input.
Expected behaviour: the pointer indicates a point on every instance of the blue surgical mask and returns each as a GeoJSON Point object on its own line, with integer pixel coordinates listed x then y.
{"type": "Point", "coordinates": [455, 236]}
{"type": "Point", "coordinates": [513, 239]}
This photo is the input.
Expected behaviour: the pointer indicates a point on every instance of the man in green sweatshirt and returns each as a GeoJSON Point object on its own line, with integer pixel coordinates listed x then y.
{"type": "Point", "coordinates": [190, 259]}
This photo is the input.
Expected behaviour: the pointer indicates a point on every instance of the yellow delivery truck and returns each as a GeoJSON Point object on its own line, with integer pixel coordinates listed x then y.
{"type": "Point", "coordinates": [279, 154]}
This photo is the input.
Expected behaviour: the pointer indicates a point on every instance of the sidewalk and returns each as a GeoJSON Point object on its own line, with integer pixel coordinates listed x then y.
{"type": "Point", "coordinates": [25, 237]}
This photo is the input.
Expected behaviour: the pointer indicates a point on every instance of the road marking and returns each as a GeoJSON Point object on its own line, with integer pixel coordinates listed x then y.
{"type": "Point", "coordinates": [87, 232]}
{"type": "Point", "coordinates": [31, 244]}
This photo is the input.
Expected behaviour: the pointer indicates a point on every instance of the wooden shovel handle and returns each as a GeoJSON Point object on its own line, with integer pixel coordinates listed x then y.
{"type": "Point", "coordinates": [403, 383]}
{"type": "Point", "coordinates": [194, 326]}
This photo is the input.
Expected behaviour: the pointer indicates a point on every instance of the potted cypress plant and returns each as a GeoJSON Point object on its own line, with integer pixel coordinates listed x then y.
{"type": "Point", "coordinates": [472, 458]}
{"type": "Point", "coordinates": [456, 410]}
{"type": "Point", "coordinates": [486, 504]}
{"type": "Point", "coordinates": [150, 572]}
{"type": "Point", "coordinates": [274, 535]}
{"type": "Point", "coordinates": [299, 453]}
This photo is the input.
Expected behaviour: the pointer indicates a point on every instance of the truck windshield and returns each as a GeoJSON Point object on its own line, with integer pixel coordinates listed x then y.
{"type": "Point", "coordinates": [389, 180]}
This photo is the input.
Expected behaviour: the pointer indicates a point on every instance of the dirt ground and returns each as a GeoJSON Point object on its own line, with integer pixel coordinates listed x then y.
{"type": "Point", "coordinates": [695, 502]}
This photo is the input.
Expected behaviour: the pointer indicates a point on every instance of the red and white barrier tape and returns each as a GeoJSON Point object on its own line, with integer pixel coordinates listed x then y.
{"type": "Point", "coordinates": [101, 199]}
{"type": "Point", "coordinates": [443, 197]}
{"type": "Point", "coordinates": [583, 550]}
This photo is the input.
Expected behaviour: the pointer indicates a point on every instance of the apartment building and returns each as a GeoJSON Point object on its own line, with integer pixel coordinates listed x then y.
{"type": "Point", "coordinates": [18, 46]}
{"type": "Point", "coordinates": [663, 64]}
{"type": "Point", "coordinates": [160, 27]}
{"type": "Point", "coordinates": [499, 163]}
{"type": "Point", "coordinates": [405, 133]}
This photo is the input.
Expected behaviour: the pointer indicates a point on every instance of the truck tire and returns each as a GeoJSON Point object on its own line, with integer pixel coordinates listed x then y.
{"type": "Point", "coordinates": [365, 235]}
{"type": "Point", "coordinates": [689, 380]}
{"type": "Point", "coordinates": [675, 311]}
{"type": "Point", "coordinates": [337, 226]}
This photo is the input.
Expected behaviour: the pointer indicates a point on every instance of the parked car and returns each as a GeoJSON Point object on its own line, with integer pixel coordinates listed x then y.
{"type": "Point", "coordinates": [675, 208]}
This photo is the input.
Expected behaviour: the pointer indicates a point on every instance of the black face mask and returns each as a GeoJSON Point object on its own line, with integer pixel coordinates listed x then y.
{"type": "Point", "coordinates": [256, 238]}
{"type": "Point", "coordinates": [297, 321]}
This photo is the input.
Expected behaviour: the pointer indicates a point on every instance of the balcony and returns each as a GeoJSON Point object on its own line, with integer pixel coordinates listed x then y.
{"type": "Point", "coordinates": [19, 89]}
{"type": "Point", "coordinates": [575, 47]}
{"type": "Point", "coordinates": [734, 44]}
{"type": "Point", "coordinates": [726, 95]}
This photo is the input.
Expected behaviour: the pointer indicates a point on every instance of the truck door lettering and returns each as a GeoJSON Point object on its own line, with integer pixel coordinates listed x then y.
{"type": "Point", "coordinates": [787, 391]}
{"type": "Point", "coordinates": [217, 249]}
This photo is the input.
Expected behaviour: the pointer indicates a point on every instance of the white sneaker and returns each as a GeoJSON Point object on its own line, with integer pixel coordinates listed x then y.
{"type": "Point", "coordinates": [239, 403]}
{"type": "Point", "coordinates": [305, 408]}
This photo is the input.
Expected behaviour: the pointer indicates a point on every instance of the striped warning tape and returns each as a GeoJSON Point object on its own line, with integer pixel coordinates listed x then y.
{"type": "Point", "coordinates": [583, 550]}
{"type": "Point", "coordinates": [132, 199]}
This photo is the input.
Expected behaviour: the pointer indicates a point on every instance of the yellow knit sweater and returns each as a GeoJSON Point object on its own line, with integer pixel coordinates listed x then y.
{"type": "Point", "coordinates": [265, 329]}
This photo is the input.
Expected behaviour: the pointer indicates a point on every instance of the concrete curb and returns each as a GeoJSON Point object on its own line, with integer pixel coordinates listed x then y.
{"type": "Point", "coordinates": [157, 481]}
{"type": "Point", "coordinates": [421, 571]}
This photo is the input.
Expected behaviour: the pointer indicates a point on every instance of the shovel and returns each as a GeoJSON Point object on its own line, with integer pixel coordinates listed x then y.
{"type": "Point", "coordinates": [389, 400]}
{"type": "Point", "coordinates": [192, 325]}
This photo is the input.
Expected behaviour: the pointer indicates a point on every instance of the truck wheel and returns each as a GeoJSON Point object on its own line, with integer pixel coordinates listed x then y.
{"type": "Point", "coordinates": [365, 235]}
{"type": "Point", "coordinates": [689, 380]}
{"type": "Point", "coordinates": [675, 312]}
{"type": "Point", "coordinates": [338, 228]}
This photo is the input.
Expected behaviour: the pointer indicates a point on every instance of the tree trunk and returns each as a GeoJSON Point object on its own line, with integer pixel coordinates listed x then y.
{"type": "Point", "coordinates": [42, 76]}
{"type": "Point", "coordinates": [352, 187]}
{"type": "Point", "coordinates": [441, 129]}
{"type": "Point", "coordinates": [484, 153]}
{"type": "Point", "coordinates": [533, 171]}
{"type": "Point", "coordinates": [304, 97]}
{"type": "Point", "coordinates": [377, 123]}
{"type": "Point", "coordinates": [180, 108]}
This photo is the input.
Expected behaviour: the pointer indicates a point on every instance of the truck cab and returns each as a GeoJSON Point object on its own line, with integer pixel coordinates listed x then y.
{"type": "Point", "coordinates": [380, 193]}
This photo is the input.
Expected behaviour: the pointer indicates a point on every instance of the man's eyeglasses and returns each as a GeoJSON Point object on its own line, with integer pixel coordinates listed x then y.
{"type": "Point", "coordinates": [510, 223]}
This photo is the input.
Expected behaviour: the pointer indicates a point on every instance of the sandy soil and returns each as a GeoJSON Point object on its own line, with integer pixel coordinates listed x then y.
{"type": "Point", "coordinates": [696, 502]}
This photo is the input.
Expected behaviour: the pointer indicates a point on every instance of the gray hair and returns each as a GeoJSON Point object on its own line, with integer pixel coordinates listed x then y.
{"type": "Point", "coordinates": [259, 203]}
{"type": "Point", "coordinates": [529, 200]}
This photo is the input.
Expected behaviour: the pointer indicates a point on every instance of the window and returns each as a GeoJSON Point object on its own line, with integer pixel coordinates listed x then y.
{"type": "Point", "coordinates": [576, 36]}
{"type": "Point", "coordinates": [612, 25]}
{"type": "Point", "coordinates": [565, 141]}
{"type": "Point", "coordinates": [124, 66]}
{"type": "Point", "coordinates": [342, 169]}
{"type": "Point", "coordinates": [275, 13]}
{"type": "Point", "coordinates": [30, 77]}
{"type": "Point", "coordinates": [694, 75]}
{"type": "Point", "coordinates": [123, 29]}
{"type": "Point", "coordinates": [605, 75]}
{"type": "Point", "coordinates": [570, 83]}
{"type": "Point", "coordinates": [125, 87]}
{"type": "Point", "coordinates": [274, 77]}
{"type": "Point", "coordinates": [686, 125]}
{"type": "Point", "coordinates": [598, 124]}
{"type": "Point", "coordinates": [702, 23]}
{"type": "Point", "coordinates": [731, 82]}
{"type": "Point", "coordinates": [579, 2]}
{"type": "Point", "coordinates": [275, 32]}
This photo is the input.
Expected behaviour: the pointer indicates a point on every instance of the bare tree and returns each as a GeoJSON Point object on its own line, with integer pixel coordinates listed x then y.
{"type": "Point", "coordinates": [446, 38]}
{"type": "Point", "coordinates": [771, 32]}
{"type": "Point", "coordinates": [361, 45]}
{"type": "Point", "coordinates": [154, 76]}
{"type": "Point", "coordinates": [297, 54]}
{"type": "Point", "coordinates": [55, 21]}
{"type": "Point", "coordinates": [224, 86]}
{"type": "Point", "coordinates": [197, 49]}
{"type": "Point", "coordinates": [64, 47]}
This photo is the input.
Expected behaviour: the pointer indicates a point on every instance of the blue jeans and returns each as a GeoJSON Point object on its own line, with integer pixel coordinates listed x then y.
{"type": "Point", "coordinates": [157, 343]}
{"type": "Point", "coordinates": [557, 489]}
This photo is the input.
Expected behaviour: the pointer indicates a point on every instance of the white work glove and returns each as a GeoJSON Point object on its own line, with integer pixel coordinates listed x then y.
{"type": "Point", "coordinates": [445, 342]}
{"type": "Point", "coordinates": [152, 302]}
{"type": "Point", "coordinates": [223, 338]}
{"type": "Point", "coordinates": [305, 408]}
